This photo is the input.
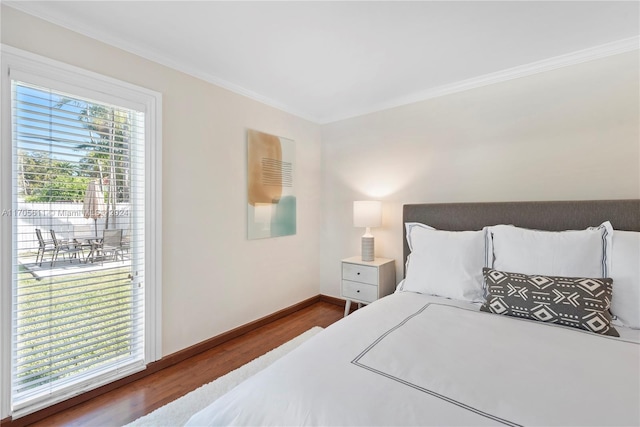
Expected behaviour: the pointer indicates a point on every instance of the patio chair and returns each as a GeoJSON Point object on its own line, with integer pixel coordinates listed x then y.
{"type": "Point", "coordinates": [112, 243]}
{"type": "Point", "coordinates": [64, 247]}
{"type": "Point", "coordinates": [43, 246]}
{"type": "Point", "coordinates": [126, 243]}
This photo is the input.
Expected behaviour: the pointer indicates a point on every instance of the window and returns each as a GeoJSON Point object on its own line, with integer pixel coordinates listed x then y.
{"type": "Point", "coordinates": [80, 231]}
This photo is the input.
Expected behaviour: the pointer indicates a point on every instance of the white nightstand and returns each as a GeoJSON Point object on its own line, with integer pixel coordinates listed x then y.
{"type": "Point", "coordinates": [365, 282]}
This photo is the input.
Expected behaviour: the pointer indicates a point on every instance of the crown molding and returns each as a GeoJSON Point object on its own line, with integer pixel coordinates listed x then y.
{"type": "Point", "coordinates": [573, 58]}
{"type": "Point", "coordinates": [157, 57]}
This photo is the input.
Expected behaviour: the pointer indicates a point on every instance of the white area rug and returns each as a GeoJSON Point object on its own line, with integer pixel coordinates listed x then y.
{"type": "Point", "coordinates": [178, 412]}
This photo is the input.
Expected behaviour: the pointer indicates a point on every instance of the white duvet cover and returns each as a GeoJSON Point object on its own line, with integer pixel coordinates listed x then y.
{"type": "Point", "coordinates": [410, 359]}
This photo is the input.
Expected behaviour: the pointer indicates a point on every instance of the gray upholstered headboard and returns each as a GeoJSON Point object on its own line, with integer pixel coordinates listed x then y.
{"type": "Point", "coordinates": [554, 216]}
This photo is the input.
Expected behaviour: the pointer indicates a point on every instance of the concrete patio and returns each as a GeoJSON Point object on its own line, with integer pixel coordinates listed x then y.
{"type": "Point", "coordinates": [65, 267]}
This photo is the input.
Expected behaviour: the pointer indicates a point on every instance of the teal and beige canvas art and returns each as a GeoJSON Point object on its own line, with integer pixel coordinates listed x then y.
{"type": "Point", "coordinates": [271, 208]}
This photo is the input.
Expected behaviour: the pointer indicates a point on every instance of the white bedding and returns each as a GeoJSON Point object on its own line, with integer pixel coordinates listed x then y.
{"type": "Point", "coordinates": [411, 359]}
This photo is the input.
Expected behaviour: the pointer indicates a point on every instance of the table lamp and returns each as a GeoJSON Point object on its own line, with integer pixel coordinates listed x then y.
{"type": "Point", "coordinates": [367, 214]}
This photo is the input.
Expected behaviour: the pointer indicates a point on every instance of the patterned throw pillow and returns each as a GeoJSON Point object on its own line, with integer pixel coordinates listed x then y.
{"type": "Point", "coordinates": [570, 301]}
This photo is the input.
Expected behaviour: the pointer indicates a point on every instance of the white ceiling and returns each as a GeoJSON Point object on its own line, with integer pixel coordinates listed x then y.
{"type": "Point", "coordinates": [326, 61]}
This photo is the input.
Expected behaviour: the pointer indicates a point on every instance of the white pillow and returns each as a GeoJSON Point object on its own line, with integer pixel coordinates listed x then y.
{"type": "Point", "coordinates": [573, 253]}
{"type": "Point", "coordinates": [445, 263]}
{"type": "Point", "coordinates": [625, 272]}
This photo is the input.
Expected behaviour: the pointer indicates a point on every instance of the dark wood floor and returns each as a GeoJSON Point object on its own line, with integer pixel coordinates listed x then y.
{"type": "Point", "coordinates": [141, 397]}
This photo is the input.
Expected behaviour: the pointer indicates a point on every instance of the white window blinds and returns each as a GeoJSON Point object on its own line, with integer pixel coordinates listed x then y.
{"type": "Point", "coordinates": [78, 215]}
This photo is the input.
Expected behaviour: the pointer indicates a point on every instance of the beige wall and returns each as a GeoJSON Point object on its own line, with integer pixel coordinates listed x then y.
{"type": "Point", "coordinates": [214, 278]}
{"type": "Point", "coordinates": [571, 133]}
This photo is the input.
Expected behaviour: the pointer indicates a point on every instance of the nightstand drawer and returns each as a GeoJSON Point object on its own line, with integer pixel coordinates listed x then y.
{"type": "Point", "coordinates": [359, 291]}
{"type": "Point", "coordinates": [360, 273]}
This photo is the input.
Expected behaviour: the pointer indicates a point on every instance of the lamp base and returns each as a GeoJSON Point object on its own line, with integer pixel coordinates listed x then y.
{"type": "Point", "coordinates": [368, 252]}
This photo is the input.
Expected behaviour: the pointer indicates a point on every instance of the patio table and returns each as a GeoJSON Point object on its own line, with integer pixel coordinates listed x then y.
{"type": "Point", "coordinates": [92, 242]}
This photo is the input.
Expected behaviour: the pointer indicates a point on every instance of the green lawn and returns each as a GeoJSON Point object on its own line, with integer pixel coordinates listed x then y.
{"type": "Point", "coordinates": [71, 323]}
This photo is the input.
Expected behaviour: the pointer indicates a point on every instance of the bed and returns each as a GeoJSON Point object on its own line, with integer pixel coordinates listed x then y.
{"type": "Point", "coordinates": [423, 358]}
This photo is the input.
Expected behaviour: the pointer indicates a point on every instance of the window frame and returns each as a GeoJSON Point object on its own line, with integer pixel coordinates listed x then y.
{"type": "Point", "coordinates": [60, 76]}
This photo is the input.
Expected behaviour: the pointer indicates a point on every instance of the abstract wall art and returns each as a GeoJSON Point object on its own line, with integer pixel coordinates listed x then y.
{"type": "Point", "coordinates": [271, 207]}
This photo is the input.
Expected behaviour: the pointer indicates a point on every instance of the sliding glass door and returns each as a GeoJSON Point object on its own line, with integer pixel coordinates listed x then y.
{"type": "Point", "coordinates": [80, 233]}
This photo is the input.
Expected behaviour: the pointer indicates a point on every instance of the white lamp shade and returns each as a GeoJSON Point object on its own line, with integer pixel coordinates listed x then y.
{"type": "Point", "coordinates": [367, 214]}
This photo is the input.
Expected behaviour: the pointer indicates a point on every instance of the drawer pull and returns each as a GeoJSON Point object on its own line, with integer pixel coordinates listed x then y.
{"type": "Point", "coordinates": [358, 273]}
{"type": "Point", "coordinates": [358, 291]}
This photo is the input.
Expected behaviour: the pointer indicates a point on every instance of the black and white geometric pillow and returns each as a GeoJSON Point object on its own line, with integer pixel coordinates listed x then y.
{"type": "Point", "coordinates": [570, 301]}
